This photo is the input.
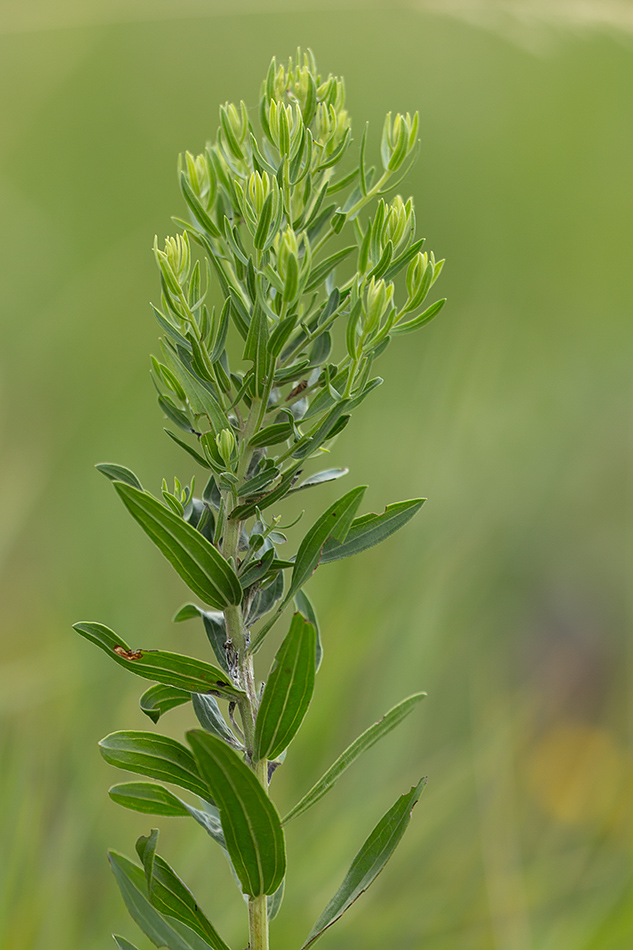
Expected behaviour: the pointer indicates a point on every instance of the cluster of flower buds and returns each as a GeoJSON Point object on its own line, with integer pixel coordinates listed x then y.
{"type": "Point", "coordinates": [399, 139]}
{"type": "Point", "coordinates": [377, 302]}
{"type": "Point", "coordinates": [233, 136]}
{"type": "Point", "coordinates": [261, 205]}
{"type": "Point", "coordinates": [174, 261]}
{"type": "Point", "coordinates": [285, 126]}
{"type": "Point", "coordinates": [201, 177]}
{"type": "Point", "coordinates": [422, 273]}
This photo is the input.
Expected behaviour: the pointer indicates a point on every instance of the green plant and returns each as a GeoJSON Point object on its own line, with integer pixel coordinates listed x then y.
{"type": "Point", "coordinates": [260, 211]}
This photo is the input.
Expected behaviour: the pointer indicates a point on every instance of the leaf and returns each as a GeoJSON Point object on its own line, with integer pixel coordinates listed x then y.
{"type": "Point", "coordinates": [160, 699]}
{"type": "Point", "coordinates": [320, 478]}
{"type": "Point", "coordinates": [174, 935]}
{"type": "Point", "coordinates": [210, 718]}
{"type": "Point", "coordinates": [123, 944]}
{"type": "Point", "coordinates": [188, 448]}
{"type": "Point", "coordinates": [251, 825]}
{"type": "Point", "coordinates": [333, 524]}
{"type": "Point", "coordinates": [171, 897]}
{"type": "Point", "coordinates": [155, 756]}
{"type": "Point", "coordinates": [147, 798]}
{"type": "Point", "coordinates": [273, 903]}
{"type": "Point", "coordinates": [118, 473]}
{"type": "Point", "coordinates": [214, 628]}
{"type": "Point", "coordinates": [172, 669]}
{"type": "Point", "coordinates": [272, 435]}
{"type": "Point", "coordinates": [422, 318]}
{"type": "Point", "coordinates": [288, 692]}
{"type": "Point", "coordinates": [365, 741]}
{"type": "Point", "coordinates": [369, 861]}
{"type": "Point", "coordinates": [371, 529]}
{"type": "Point", "coordinates": [322, 269]}
{"type": "Point", "coordinates": [304, 606]}
{"type": "Point", "coordinates": [198, 563]}
{"type": "Point", "coordinates": [201, 400]}
{"type": "Point", "coordinates": [255, 348]}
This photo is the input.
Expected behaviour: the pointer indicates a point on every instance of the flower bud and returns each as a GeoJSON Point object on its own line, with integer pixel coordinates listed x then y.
{"type": "Point", "coordinates": [225, 441]}
{"type": "Point", "coordinates": [201, 178]}
{"type": "Point", "coordinates": [257, 191]}
{"type": "Point", "coordinates": [398, 139]}
{"type": "Point", "coordinates": [399, 221]}
{"type": "Point", "coordinates": [175, 260]}
{"type": "Point", "coordinates": [378, 298]}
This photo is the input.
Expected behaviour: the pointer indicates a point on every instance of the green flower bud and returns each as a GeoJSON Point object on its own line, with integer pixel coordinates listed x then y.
{"type": "Point", "coordinates": [225, 441]}
{"type": "Point", "coordinates": [257, 190]}
{"type": "Point", "coordinates": [201, 178]}
{"type": "Point", "coordinates": [174, 261]}
{"type": "Point", "coordinates": [399, 222]}
{"type": "Point", "coordinates": [398, 139]}
{"type": "Point", "coordinates": [378, 297]}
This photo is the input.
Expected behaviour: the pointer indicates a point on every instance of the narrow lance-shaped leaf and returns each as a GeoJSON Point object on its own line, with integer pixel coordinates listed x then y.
{"type": "Point", "coordinates": [170, 896]}
{"type": "Point", "coordinates": [123, 944]}
{"type": "Point", "coordinates": [173, 934]}
{"type": "Point", "coordinates": [160, 699]}
{"type": "Point", "coordinates": [172, 669]}
{"type": "Point", "coordinates": [333, 523]}
{"type": "Point", "coordinates": [288, 692]}
{"type": "Point", "coordinates": [210, 718]}
{"type": "Point", "coordinates": [199, 564]}
{"type": "Point", "coordinates": [148, 798]}
{"type": "Point", "coordinates": [251, 825]}
{"type": "Point", "coordinates": [365, 741]}
{"type": "Point", "coordinates": [305, 606]}
{"type": "Point", "coordinates": [371, 529]}
{"type": "Point", "coordinates": [369, 861]}
{"type": "Point", "coordinates": [155, 756]}
{"type": "Point", "coordinates": [118, 473]}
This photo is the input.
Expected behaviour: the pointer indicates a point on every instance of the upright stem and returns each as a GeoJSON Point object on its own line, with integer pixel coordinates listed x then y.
{"type": "Point", "coordinates": [236, 633]}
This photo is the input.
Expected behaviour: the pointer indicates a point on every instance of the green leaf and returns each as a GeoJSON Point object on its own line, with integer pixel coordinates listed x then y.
{"type": "Point", "coordinates": [365, 741]}
{"type": "Point", "coordinates": [320, 478]}
{"type": "Point", "coordinates": [155, 756]}
{"type": "Point", "coordinates": [160, 699]}
{"type": "Point", "coordinates": [304, 606]}
{"type": "Point", "coordinates": [333, 524]}
{"type": "Point", "coordinates": [199, 564]}
{"type": "Point", "coordinates": [371, 529]}
{"type": "Point", "coordinates": [423, 318]}
{"type": "Point", "coordinates": [172, 669]}
{"type": "Point", "coordinates": [369, 861]}
{"type": "Point", "coordinates": [201, 400]}
{"type": "Point", "coordinates": [256, 346]}
{"type": "Point", "coordinates": [172, 934]}
{"type": "Point", "coordinates": [324, 268]}
{"type": "Point", "coordinates": [288, 692]}
{"type": "Point", "coordinates": [188, 448]}
{"type": "Point", "coordinates": [147, 798]}
{"type": "Point", "coordinates": [171, 897]}
{"type": "Point", "coordinates": [273, 903]}
{"type": "Point", "coordinates": [123, 944]}
{"type": "Point", "coordinates": [210, 718]}
{"type": "Point", "coordinates": [118, 473]}
{"type": "Point", "coordinates": [213, 621]}
{"type": "Point", "coordinates": [272, 435]}
{"type": "Point", "coordinates": [251, 825]}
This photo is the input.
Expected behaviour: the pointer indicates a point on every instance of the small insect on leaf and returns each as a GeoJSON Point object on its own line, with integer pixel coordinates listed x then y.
{"type": "Point", "coordinates": [129, 654]}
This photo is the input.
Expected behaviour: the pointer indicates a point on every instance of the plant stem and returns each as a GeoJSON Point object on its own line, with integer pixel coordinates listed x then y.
{"type": "Point", "coordinates": [237, 634]}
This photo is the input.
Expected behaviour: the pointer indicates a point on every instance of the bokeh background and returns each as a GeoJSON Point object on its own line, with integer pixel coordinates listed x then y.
{"type": "Point", "coordinates": [503, 599]}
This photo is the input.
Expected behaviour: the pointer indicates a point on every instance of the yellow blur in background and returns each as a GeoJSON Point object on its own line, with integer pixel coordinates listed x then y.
{"type": "Point", "coordinates": [503, 598]}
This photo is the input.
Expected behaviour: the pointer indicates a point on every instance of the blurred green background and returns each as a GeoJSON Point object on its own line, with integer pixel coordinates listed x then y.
{"type": "Point", "coordinates": [503, 599]}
